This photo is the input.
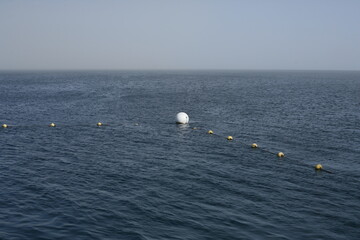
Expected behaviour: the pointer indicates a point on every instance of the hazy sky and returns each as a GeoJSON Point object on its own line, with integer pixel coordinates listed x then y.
{"type": "Point", "coordinates": [182, 34]}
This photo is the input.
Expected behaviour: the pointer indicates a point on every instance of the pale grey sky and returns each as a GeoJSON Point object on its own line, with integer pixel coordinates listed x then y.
{"type": "Point", "coordinates": [183, 34]}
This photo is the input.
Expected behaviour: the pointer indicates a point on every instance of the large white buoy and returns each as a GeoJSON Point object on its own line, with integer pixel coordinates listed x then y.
{"type": "Point", "coordinates": [182, 118]}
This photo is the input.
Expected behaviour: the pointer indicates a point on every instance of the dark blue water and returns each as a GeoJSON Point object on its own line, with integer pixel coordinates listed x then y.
{"type": "Point", "coordinates": [143, 177]}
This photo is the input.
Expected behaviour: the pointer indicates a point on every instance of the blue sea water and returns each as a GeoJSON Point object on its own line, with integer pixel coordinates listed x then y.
{"type": "Point", "coordinates": [140, 176]}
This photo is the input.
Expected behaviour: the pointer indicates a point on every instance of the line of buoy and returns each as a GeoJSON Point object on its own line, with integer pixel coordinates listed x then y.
{"type": "Point", "coordinates": [99, 124]}
{"type": "Point", "coordinates": [318, 167]}
{"type": "Point", "coordinates": [254, 145]}
{"type": "Point", "coordinates": [183, 118]}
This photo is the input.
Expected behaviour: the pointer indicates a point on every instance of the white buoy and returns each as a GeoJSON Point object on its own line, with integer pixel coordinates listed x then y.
{"type": "Point", "coordinates": [182, 118]}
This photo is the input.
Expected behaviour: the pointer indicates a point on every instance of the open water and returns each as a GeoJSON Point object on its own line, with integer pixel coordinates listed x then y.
{"type": "Point", "coordinates": [140, 176]}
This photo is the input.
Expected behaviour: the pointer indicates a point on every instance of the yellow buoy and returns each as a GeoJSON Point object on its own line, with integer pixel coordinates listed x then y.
{"type": "Point", "coordinates": [281, 154]}
{"type": "Point", "coordinates": [52, 125]}
{"type": "Point", "coordinates": [229, 138]}
{"type": "Point", "coordinates": [99, 124]}
{"type": "Point", "coordinates": [4, 125]}
{"type": "Point", "coordinates": [210, 132]}
{"type": "Point", "coordinates": [194, 128]}
{"type": "Point", "coordinates": [318, 167]}
{"type": "Point", "coordinates": [254, 145]}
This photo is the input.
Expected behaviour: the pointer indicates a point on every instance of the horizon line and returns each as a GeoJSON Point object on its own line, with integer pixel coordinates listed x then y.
{"type": "Point", "coordinates": [174, 69]}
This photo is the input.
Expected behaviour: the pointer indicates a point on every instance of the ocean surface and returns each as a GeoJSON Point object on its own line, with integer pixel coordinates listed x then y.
{"type": "Point", "coordinates": [141, 176]}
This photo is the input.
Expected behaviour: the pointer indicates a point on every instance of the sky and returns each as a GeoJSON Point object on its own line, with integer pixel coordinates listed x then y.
{"type": "Point", "coordinates": [180, 34]}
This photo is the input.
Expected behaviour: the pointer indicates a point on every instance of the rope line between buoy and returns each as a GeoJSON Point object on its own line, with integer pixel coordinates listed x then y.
{"type": "Point", "coordinates": [184, 118]}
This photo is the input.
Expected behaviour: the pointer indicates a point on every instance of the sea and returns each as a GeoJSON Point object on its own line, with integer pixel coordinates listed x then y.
{"type": "Point", "coordinates": [142, 176]}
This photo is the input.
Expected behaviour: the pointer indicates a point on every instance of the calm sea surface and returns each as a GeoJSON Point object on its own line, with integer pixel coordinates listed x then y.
{"type": "Point", "coordinates": [140, 176]}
